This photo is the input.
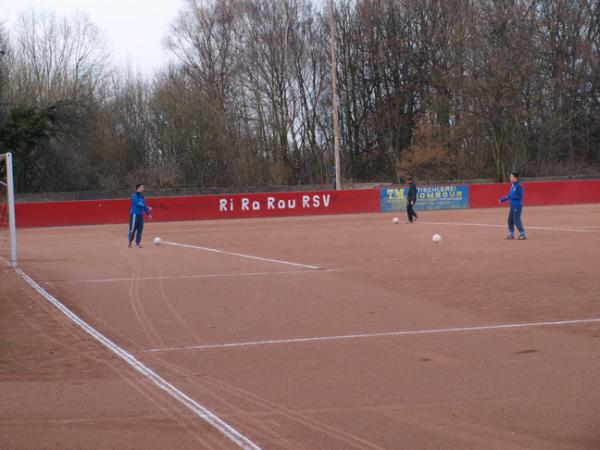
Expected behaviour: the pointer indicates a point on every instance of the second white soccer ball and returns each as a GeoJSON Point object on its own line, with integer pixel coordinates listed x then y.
{"type": "Point", "coordinates": [436, 238]}
{"type": "Point", "coordinates": [157, 241]}
{"type": "Point", "coordinates": [396, 220]}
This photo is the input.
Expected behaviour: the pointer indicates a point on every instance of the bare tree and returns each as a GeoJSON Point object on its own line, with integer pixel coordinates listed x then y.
{"type": "Point", "coordinates": [57, 68]}
{"type": "Point", "coordinates": [4, 64]}
{"type": "Point", "coordinates": [58, 58]}
{"type": "Point", "coordinates": [445, 89]}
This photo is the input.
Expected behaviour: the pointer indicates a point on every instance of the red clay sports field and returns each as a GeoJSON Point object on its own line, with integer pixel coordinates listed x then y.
{"type": "Point", "coordinates": [329, 332]}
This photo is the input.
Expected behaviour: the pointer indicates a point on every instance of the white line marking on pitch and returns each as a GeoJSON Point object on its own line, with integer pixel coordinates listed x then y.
{"type": "Point", "coordinates": [210, 275]}
{"type": "Point", "coordinates": [201, 411]}
{"type": "Point", "coordinates": [374, 335]}
{"type": "Point", "coordinates": [241, 255]}
{"type": "Point", "coordinates": [579, 230]}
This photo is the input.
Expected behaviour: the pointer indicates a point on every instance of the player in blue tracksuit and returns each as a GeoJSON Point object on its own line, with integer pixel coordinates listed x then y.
{"type": "Point", "coordinates": [515, 196]}
{"type": "Point", "coordinates": [136, 215]}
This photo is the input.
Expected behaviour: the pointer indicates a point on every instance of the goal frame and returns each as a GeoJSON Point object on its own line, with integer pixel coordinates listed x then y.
{"type": "Point", "coordinates": [12, 227]}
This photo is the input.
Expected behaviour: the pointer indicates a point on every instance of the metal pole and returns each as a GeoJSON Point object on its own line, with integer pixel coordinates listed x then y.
{"type": "Point", "coordinates": [12, 227]}
{"type": "Point", "coordinates": [336, 128]}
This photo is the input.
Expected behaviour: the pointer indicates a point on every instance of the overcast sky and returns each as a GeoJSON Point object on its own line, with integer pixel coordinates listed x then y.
{"type": "Point", "coordinates": [134, 29]}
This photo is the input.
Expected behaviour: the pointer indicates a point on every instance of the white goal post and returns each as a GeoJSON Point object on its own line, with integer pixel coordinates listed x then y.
{"type": "Point", "coordinates": [7, 208]}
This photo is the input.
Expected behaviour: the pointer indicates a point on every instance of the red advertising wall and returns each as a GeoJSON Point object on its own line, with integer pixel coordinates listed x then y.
{"type": "Point", "coordinates": [537, 193]}
{"type": "Point", "coordinates": [90, 212]}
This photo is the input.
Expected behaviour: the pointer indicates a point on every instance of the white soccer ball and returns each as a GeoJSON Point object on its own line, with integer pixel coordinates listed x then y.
{"type": "Point", "coordinates": [396, 220]}
{"type": "Point", "coordinates": [157, 241]}
{"type": "Point", "coordinates": [436, 238]}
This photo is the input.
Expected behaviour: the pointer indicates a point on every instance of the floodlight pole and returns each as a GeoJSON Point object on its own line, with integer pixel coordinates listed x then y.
{"type": "Point", "coordinates": [336, 128]}
{"type": "Point", "coordinates": [12, 227]}
{"type": "Point", "coordinates": [2, 53]}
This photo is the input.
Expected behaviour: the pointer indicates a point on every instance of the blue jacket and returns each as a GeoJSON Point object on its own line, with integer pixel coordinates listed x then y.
{"type": "Point", "coordinates": [515, 195]}
{"type": "Point", "coordinates": [138, 204]}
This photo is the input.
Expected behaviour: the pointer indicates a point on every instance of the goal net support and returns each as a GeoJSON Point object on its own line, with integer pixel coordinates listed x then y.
{"type": "Point", "coordinates": [8, 229]}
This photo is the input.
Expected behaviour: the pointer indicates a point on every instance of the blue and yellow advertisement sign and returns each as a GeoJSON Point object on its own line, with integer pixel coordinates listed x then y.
{"type": "Point", "coordinates": [428, 197]}
{"type": "Point", "coordinates": [392, 199]}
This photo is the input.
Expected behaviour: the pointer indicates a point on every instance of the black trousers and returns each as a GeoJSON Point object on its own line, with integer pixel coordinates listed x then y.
{"type": "Point", "coordinates": [410, 211]}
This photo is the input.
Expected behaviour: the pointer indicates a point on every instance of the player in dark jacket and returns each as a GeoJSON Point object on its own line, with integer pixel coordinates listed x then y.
{"type": "Point", "coordinates": [411, 199]}
{"type": "Point", "coordinates": [136, 215]}
{"type": "Point", "coordinates": [515, 195]}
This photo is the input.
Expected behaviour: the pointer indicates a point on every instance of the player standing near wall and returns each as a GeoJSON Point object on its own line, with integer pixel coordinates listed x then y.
{"type": "Point", "coordinates": [411, 199]}
{"type": "Point", "coordinates": [515, 195]}
{"type": "Point", "coordinates": [136, 215]}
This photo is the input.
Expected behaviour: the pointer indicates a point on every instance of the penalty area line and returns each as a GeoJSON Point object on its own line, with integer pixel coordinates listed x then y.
{"type": "Point", "coordinates": [241, 255]}
{"type": "Point", "coordinates": [200, 410]}
{"type": "Point", "coordinates": [184, 277]}
{"type": "Point", "coordinates": [376, 335]}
